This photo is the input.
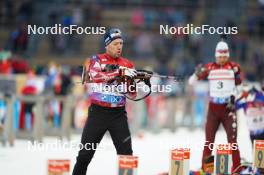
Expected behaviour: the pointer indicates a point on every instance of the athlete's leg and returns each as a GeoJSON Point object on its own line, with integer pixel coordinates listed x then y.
{"type": "Point", "coordinates": [211, 126]}
{"type": "Point", "coordinates": [120, 134]}
{"type": "Point", "coordinates": [94, 130]}
{"type": "Point", "coordinates": [230, 124]}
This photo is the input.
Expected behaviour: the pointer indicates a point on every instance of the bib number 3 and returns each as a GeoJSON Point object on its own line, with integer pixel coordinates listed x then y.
{"type": "Point", "coordinates": [220, 85]}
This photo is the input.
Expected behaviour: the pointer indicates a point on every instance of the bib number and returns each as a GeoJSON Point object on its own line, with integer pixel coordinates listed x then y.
{"type": "Point", "coordinates": [255, 118]}
{"type": "Point", "coordinates": [220, 85]}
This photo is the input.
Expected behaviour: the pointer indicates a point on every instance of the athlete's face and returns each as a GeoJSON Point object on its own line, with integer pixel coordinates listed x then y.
{"type": "Point", "coordinates": [115, 48]}
{"type": "Point", "coordinates": [221, 60]}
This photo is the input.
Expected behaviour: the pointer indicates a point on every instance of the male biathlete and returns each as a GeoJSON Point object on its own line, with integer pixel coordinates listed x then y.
{"type": "Point", "coordinates": [223, 76]}
{"type": "Point", "coordinates": [107, 111]}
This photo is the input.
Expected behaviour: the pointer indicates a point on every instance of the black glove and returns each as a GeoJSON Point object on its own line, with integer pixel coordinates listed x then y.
{"type": "Point", "coordinates": [199, 69]}
{"type": "Point", "coordinates": [231, 104]}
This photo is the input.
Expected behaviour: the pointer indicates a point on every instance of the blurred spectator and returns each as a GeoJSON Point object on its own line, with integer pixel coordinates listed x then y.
{"type": "Point", "coordinates": [53, 86]}
{"type": "Point", "coordinates": [19, 65]}
{"type": "Point", "coordinates": [2, 113]}
{"type": "Point", "coordinates": [26, 117]}
{"type": "Point", "coordinates": [25, 11]}
{"type": "Point", "coordinates": [149, 18]}
{"type": "Point", "coordinates": [19, 39]}
{"type": "Point", "coordinates": [163, 49]}
{"type": "Point", "coordinates": [175, 16]}
{"type": "Point", "coordinates": [94, 15]}
{"type": "Point", "coordinates": [185, 66]}
{"type": "Point", "coordinates": [53, 18]}
{"type": "Point", "coordinates": [137, 18]}
{"type": "Point", "coordinates": [53, 81]}
{"type": "Point", "coordinates": [261, 25]}
{"type": "Point", "coordinates": [195, 47]}
{"type": "Point", "coordinates": [7, 12]}
{"type": "Point", "coordinates": [5, 64]}
{"type": "Point", "coordinates": [143, 45]}
{"type": "Point", "coordinates": [77, 15]}
{"type": "Point", "coordinates": [242, 47]}
{"type": "Point", "coordinates": [259, 63]}
{"type": "Point", "coordinates": [66, 82]}
{"type": "Point", "coordinates": [252, 22]}
{"type": "Point", "coordinates": [77, 19]}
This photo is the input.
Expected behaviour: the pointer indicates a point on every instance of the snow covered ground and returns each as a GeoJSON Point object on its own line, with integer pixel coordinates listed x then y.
{"type": "Point", "coordinates": [152, 149]}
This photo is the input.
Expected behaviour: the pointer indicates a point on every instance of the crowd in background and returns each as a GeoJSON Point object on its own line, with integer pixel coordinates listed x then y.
{"type": "Point", "coordinates": [174, 54]}
{"type": "Point", "coordinates": [142, 38]}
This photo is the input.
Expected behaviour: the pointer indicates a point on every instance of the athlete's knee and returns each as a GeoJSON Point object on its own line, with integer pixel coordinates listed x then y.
{"type": "Point", "coordinates": [232, 139]}
{"type": "Point", "coordinates": [209, 145]}
{"type": "Point", "coordinates": [125, 151]}
{"type": "Point", "coordinates": [85, 155]}
{"type": "Point", "coordinates": [234, 146]}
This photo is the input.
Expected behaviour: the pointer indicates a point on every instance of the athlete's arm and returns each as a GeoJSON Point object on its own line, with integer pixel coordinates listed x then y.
{"type": "Point", "coordinates": [96, 73]}
{"type": "Point", "coordinates": [237, 71]}
{"type": "Point", "coordinates": [238, 80]}
{"type": "Point", "coordinates": [201, 73]}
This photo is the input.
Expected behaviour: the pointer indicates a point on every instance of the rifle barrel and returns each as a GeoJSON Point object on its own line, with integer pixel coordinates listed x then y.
{"type": "Point", "coordinates": [167, 77]}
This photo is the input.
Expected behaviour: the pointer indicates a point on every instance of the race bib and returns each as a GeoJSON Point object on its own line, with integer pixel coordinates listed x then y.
{"type": "Point", "coordinates": [221, 83]}
{"type": "Point", "coordinates": [255, 118]}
